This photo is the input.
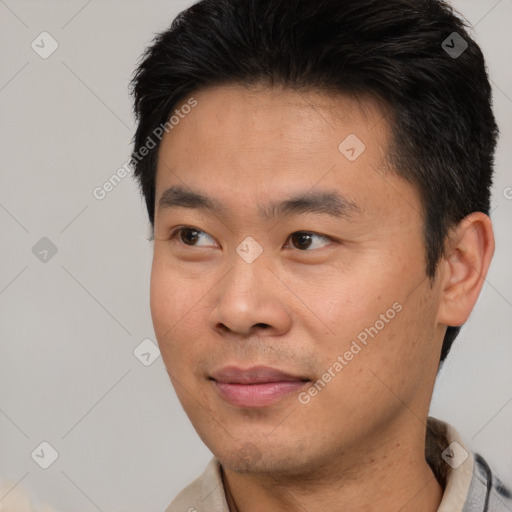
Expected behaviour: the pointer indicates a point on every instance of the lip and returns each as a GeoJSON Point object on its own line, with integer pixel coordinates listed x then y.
{"type": "Point", "coordinates": [253, 375]}
{"type": "Point", "coordinates": [257, 386]}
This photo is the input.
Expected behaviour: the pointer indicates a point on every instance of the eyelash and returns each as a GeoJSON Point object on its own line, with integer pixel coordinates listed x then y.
{"type": "Point", "coordinates": [177, 231]}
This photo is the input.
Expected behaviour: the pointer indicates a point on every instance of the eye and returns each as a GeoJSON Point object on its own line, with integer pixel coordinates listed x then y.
{"type": "Point", "coordinates": [303, 239]}
{"type": "Point", "coordinates": [189, 236]}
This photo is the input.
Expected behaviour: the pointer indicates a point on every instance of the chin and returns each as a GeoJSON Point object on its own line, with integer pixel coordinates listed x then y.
{"type": "Point", "coordinates": [250, 458]}
{"type": "Point", "coordinates": [247, 459]}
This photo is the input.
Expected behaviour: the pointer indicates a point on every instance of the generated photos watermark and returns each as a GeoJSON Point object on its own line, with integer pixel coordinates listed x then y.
{"type": "Point", "coordinates": [100, 192]}
{"type": "Point", "coordinates": [355, 348]}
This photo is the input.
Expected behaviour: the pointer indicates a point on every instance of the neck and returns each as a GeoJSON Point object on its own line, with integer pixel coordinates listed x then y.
{"type": "Point", "coordinates": [392, 475]}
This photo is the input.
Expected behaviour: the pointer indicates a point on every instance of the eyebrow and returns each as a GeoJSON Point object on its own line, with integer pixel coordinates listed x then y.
{"type": "Point", "coordinates": [324, 202]}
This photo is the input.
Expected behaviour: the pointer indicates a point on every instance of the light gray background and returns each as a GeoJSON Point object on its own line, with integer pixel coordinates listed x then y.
{"type": "Point", "coordinates": [69, 326]}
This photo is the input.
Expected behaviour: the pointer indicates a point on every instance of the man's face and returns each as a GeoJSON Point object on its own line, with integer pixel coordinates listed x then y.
{"type": "Point", "coordinates": [347, 288]}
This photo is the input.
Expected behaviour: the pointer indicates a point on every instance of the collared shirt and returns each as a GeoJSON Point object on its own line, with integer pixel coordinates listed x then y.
{"type": "Point", "coordinates": [468, 482]}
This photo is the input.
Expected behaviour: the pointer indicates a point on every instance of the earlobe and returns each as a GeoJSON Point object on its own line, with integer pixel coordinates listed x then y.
{"type": "Point", "coordinates": [466, 261]}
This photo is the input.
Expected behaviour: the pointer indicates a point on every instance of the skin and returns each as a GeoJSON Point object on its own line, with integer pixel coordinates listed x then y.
{"type": "Point", "coordinates": [360, 441]}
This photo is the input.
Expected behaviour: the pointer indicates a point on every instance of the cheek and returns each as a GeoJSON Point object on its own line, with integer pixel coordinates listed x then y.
{"type": "Point", "coordinates": [361, 381]}
{"type": "Point", "coordinates": [373, 318]}
{"type": "Point", "coordinates": [397, 354]}
{"type": "Point", "coordinates": [175, 303]}
{"type": "Point", "coordinates": [164, 301]}
{"type": "Point", "coordinates": [347, 303]}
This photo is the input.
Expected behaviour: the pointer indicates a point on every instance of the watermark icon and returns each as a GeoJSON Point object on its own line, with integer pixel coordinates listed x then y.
{"type": "Point", "coordinates": [454, 45]}
{"type": "Point", "coordinates": [44, 455]}
{"type": "Point", "coordinates": [250, 454]}
{"type": "Point", "coordinates": [44, 250]}
{"type": "Point", "coordinates": [146, 352]}
{"type": "Point", "coordinates": [44, 45]}
{"type": "Point", "coordinates": [507, 193]}
{"type": "Point", "coordinates": [351, 147]}
{"type": "Point", "coordinates": [342, 360]}
{"type": "Point", "coordinates": [249, 249]}
{"type": "Point", "coordinates": [454, 455]}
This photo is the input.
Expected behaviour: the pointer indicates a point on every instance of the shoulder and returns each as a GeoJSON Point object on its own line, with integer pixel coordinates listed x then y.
{"type": "Point", "coordinates": [486, 491]}
{"type": "Point", "coordinates": [469, 483]}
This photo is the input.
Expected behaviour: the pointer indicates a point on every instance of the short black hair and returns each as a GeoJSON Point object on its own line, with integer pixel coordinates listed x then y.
{"type": "Point", "coordinates": [415, 56]}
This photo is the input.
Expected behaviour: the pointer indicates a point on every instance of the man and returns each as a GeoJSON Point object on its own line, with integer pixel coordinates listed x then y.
{"type": "Point", "coordinates": [317, 178]}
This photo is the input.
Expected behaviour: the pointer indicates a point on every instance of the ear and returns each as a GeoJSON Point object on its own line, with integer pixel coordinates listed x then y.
{"type": "Point", "coordinates": [468, 254]}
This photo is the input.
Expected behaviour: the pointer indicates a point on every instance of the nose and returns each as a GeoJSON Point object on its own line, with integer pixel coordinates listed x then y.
{"type": "Point", "coordinates": [251, 299]}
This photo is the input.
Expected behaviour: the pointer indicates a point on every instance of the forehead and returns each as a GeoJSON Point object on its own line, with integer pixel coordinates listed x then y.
{"type": "Point", "coordinates": [272, 110]}
{"type": "Point", "coordinates": [241, 118]}
{"type": "Point", "coordinates": [269, 143]}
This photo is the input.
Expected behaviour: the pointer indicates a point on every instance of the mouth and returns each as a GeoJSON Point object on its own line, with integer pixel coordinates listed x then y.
{"type": "Point", "coordinates": [258, 386]}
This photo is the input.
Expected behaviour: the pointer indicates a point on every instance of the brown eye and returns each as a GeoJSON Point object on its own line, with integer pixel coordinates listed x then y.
{"type": "Point", "coordinates": [304, 240]}
{"type": "Point", "coordinates": [301, 240]}
{"type": "Point", "coordinates": [190, 236]}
